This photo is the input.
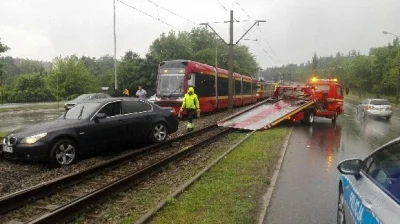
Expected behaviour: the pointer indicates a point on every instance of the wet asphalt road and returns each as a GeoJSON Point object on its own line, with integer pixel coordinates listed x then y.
{"type": "Point", "coordinates": [306, 189]}
{"type": "Point", "coordinates": [13, 120]}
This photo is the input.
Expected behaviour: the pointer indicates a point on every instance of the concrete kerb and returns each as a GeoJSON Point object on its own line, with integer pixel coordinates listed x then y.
{"type": "Point", "coordinates": [268, 195]}
{"type": "Point", "coordinates": [146, 217]}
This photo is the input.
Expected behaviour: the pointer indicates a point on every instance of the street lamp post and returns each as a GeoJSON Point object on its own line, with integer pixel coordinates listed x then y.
{"type": "Point", "coordinates": [384, 32]}
{"type": "Point", "coordinates": [398, 75]}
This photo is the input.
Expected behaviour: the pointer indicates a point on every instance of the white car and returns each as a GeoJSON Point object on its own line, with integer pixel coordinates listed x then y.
{"type": "Point", "coordinates": [369, 189]}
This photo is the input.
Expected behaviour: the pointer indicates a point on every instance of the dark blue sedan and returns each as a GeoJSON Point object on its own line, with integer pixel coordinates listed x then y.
{"type": "Point", "coordinates": [102, 124]}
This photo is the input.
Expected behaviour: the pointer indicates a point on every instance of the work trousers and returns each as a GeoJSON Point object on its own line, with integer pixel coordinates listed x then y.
{"type": "Point", "coordinates": [190, 114]}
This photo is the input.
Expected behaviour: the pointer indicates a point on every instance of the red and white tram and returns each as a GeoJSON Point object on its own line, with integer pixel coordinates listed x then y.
{"type": "Point", "coordinates": [210, 84]}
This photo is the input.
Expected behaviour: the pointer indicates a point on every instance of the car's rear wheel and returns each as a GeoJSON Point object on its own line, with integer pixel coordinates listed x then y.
{"type": "Point", "coordinates": [159, 133]}
{"type": "Point", "coordinates": [64, 152]}
{"type": "Point", "coordinates": [341, 219]}
{"type": "Point", "coordinates": [388, 117]}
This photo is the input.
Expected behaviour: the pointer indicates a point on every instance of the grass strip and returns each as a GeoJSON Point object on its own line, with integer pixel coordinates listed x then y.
{"type": "Point", "coordinates": [128, 206]}
{"type": "Point", "coordinates": [2, 136]}
{"type": "Point", "coordinates": [231, 191]}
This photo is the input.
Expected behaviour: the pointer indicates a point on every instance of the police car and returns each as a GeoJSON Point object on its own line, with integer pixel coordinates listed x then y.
{"type": "Point", "coordinates": [369, 189]}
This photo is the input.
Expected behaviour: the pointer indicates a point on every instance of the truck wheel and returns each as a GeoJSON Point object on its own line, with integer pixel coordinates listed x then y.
{"type": "Point", "coordinates": [309, 117]}
{"type": "Point", "coordinates": [334, 118]}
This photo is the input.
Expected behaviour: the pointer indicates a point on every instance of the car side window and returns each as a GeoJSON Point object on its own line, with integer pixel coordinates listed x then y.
{"type": "Point", "coordinates": [135, 107]}
{"type": "Point", "coordinates": [145, 106]}
{"type": "Point", "coordinates": [112, 109]}
{"type": "Point", "coordinates": [384, 169]}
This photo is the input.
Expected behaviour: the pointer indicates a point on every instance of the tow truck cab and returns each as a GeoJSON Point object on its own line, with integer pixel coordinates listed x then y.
{"type": "Point", "coordinates": [329, 97]}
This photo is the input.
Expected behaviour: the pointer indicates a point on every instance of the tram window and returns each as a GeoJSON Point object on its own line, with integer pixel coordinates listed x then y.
{"type": "Point", "coordinates": [238, 87]}
{"type": "Point", "coordinates": [222, 86]}
{"type": "Point", "coordinates": [246, 88]}
{"type": "Point", "coordinates": [205, 85]}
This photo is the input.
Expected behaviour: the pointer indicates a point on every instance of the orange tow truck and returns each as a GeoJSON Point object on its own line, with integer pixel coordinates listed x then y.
{"type": "Point", "coordinates": [329, 97]}
{"type": "Point", "coordinates": [318, 98]}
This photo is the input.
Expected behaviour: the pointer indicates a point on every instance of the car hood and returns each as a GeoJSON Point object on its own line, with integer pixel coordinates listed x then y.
{"type": "Point", "coordinates": [45, 127]}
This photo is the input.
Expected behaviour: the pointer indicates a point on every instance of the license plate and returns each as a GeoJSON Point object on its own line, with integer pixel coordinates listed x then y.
{"type": "Point", "coordinates": [7, 149]}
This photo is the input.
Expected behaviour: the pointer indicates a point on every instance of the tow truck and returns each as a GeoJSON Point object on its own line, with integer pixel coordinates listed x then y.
{"type": "Point", "coordinates": [317, 98]}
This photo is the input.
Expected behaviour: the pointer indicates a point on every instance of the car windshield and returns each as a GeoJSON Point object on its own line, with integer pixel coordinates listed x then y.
{"type": "Point", "coordinates": [380, 102]}
{"type": "Point", "coordinates": [81, 111]}
{"type": "Point", "coordinates": [82, 97]}
{"type": "Point", "coordinates": [170, 84]}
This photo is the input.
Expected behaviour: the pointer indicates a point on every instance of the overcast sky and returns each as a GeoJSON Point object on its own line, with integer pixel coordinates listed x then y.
{"type": "Point", "coordinates": [44, 29]}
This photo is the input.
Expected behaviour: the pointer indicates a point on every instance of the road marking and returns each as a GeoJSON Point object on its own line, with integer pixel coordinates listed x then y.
{"type": "Point", "coordinates": [356, 120]}
{"type": "Point", "coordinates": [396, 118]}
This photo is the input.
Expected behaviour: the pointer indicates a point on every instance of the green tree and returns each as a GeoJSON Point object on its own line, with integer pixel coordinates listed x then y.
{"type": "Point", "coordinates": [200, 45]}
{"type": "Point", "coordinates": [314, 63]}
{"type": "Point", "coordinates": [172, 46]}
{"type": "Point", "coordinates": [31, 88]}
{"type": "Point", "coordinates": [134, 71]}
{"type": "Point", "coordinates": [3, 48]}
{"type": "Point", "coordinates": [73, 78]}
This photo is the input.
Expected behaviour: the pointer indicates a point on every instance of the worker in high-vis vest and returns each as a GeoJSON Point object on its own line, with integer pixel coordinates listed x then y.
{"type": "Point", "coordinates": [191, 104]}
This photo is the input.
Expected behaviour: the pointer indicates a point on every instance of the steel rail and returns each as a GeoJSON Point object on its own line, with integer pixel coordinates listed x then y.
{"type": "Point", "coordinates": [78, 206]}
{"type": "Point", "coordinates": [34, 193]}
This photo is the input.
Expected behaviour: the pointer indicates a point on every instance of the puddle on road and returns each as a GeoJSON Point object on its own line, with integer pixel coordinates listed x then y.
{"type": "Point", "coordinates": [10, 121]}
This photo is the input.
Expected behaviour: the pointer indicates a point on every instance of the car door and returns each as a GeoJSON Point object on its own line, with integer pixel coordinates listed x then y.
{"type": "Point", "coordinates": [137, 120]}
{"type": "Point", "coordinates": [106, 133]}
{"type": "Point", "coordinates": [374, 196]}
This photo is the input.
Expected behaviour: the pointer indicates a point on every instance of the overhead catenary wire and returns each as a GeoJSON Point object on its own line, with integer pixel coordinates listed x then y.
{"type": "Point", "coordinates": [222, 5]}
{"type": "Point", "coordinates": [259, 29]}
{"type": "Point", "coordinates": [145, 13]}
{"type": "Point", "coordinates": [243, 27]}
{"type": "Point", "coordinates": [176, 14]}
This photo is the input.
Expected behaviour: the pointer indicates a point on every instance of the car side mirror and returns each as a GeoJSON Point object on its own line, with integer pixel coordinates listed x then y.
{"type": "Point", "coordinates": [100, 116]}
{"type": "Point", "coordinates": [350, 166]}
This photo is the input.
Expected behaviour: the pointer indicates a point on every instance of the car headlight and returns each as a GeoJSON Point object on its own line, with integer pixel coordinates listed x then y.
{"type": "Point", "coordinates": [33, 139]}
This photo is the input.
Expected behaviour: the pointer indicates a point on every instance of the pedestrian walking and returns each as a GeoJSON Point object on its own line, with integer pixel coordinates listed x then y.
{"type": "Point", "coordinates": [191, 104]}
{"type": "Point", "coordinates": [141, 93]}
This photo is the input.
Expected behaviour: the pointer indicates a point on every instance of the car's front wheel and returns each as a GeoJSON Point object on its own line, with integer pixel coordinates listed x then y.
{"type": "Point", "coordinates": [159, 133]}
{"type": "Point", "coordinates": [63, 152]}
{"type": "Point", "coordinates": [341, 219]}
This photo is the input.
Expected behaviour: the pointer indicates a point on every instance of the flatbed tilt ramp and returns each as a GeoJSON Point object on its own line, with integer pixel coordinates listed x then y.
{"type": "Point", "coordinates": [265, 114]}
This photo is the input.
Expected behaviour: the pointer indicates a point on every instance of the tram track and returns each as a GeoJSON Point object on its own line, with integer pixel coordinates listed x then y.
{"type": "Point", "coordinates": [59, 200]}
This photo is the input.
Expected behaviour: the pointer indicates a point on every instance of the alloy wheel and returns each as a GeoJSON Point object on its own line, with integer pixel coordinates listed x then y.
{"type": "Point", "coordinates": [65, 154]}
{"type": "Point", "coordinates": [160, 132]}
